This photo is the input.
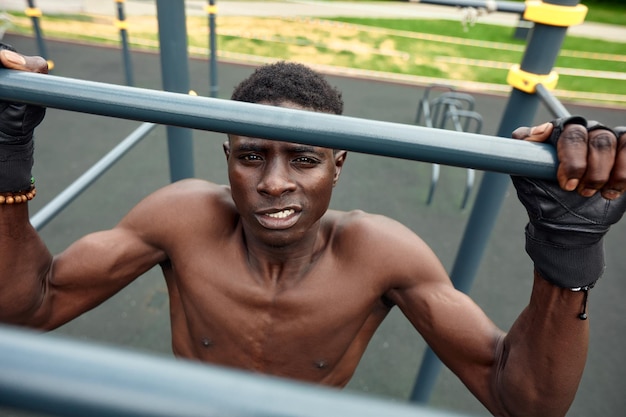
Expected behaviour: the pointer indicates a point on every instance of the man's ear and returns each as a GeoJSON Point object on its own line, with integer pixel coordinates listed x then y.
{"type": "Point", "coordinates": [340, 159]}
{"type": "Point", "coordinates": [226, 147]}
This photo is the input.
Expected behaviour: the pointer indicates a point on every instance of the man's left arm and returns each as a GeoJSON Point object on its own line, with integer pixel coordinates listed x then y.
{"type": "Point", "coordinates": [535, 368]}
{"type": "Point", "coordinates": [541, 360]}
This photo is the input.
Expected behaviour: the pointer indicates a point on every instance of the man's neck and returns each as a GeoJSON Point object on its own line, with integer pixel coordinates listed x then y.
{"type": "Point", "coordinates": [280, 265]}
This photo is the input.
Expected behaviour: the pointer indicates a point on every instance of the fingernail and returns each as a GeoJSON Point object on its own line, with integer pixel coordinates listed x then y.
{"type": "Point", "coordinates": [588, 192]}
{"type": "Point", "coordinates": [611, 194]}
{"type": "Point", "coordinates": [571, 185]}
{"type": "Point", "coordinates": [520, 132]}
{"type": "Point", "coordinates": [14, 57]}
{"type": "Point", "coordinates": [538, 130]}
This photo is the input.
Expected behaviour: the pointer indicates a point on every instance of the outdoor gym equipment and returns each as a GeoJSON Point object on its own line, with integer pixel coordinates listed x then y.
{"type": "Point", "coordinates": [454, 109]}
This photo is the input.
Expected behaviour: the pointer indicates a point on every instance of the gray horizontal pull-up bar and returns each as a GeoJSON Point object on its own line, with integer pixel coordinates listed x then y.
{"type": "Point", "coordinates": [44, 373]}
{"type": "Point", "coordinates": [360, 135]}
{"type": "Point", "coordinates": [495, 6]}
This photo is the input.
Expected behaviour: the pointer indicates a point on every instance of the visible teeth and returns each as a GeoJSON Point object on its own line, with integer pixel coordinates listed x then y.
{"type": "Point", "coordinates": [281, 214]}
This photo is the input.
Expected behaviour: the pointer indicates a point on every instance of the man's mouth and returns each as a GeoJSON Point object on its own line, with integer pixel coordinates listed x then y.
{"type": "Point", "coordinates": [279, 218]}
{"type": "Point", "coordinates": [281, 214]}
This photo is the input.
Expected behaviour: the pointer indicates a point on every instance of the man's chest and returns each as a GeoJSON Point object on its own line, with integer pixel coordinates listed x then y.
{"type": "Point", "coordinates": [305, 330]}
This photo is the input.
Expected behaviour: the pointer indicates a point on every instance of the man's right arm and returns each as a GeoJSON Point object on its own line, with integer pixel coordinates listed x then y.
{"type": "Point", "coordinates": [37, 289]}
{"type": "Point", "coordinates": [42, 291]}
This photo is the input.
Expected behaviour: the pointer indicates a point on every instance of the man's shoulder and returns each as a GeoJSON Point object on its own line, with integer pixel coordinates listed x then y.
{"type": "Point", "coordinates": [193, 191]}
{"type": "Point", "coordinates": [368, 229]}
{"type": "Point", "coordinates": [186, 202]}
{"type": "Point", "coordinates": [383, 246]}
{"type": "Point", "coordinates": [359, 219]}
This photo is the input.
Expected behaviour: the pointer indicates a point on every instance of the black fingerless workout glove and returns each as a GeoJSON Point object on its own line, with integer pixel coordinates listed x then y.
{"type": "Point", "coordinates": [17, 123]}
{"type": "Point", "coordinates": [564, 236]}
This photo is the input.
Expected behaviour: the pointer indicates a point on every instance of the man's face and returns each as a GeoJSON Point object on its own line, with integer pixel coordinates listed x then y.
{"type": "Point", "coordinates": [280, 189]}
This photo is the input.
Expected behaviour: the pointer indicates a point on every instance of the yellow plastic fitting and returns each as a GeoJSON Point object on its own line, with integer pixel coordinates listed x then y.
{"type": "Point", "coordinates": [33, 12]}
{"type": "Point", "coordinates": [553, 14]}
{"type": "Point", "coordinates": [121, 24]}
{"type": "Point", "coordinates": [527, 81]}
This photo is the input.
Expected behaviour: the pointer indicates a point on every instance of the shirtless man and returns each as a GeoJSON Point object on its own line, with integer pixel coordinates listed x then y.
{"type": "Point", "coordinates": [262, 276]}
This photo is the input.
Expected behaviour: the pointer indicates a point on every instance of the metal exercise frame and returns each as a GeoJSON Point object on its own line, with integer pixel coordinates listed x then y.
{"type": "Point", "coordinates": [31, 381]}
{"type": "Point", "coordinates": [542, 48]}
{"type": "Point", "coordinates": [489, 153]}
{"type": "Point", "coordinates": [449, 107]}
{"type": "Point", "coordinates": [68, 378]}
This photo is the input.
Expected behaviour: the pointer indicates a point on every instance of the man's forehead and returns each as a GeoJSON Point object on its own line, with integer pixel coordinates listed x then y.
{"type": "Point", "coordinates": [247, 142]}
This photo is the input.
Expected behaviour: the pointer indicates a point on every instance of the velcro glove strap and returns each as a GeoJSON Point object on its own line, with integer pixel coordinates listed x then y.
{"type": "Point", "coordinates": [16, 163]}
{"type": "Point", "coordinates": [17, 124]}
{"type": "Point", "coordinates": [564, 236]}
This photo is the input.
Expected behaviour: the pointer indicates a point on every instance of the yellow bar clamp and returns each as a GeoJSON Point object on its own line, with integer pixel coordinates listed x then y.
{"type": "Point", "coordinates": [553, 14]}
{"type": "Point", "coordinates": [210, 9]}
{"type": "Point", "coordinates": [527, 82]}
{"type": "Point", "coordinates": [121, 24]}
{"type": "Point", "coordinates": [33, 12]}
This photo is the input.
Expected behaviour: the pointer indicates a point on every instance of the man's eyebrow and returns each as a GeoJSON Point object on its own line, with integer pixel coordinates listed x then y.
{"type": "Point", "coordinates": [293, 148]}
{"type": "Point", "coordinates": [298, 148]}
{"type": "Point", "coordinates": [249, 146]}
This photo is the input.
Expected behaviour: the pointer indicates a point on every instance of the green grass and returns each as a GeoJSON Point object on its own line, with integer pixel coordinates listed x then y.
{"type": "Point", "coordinates": [426, 48]}
{"type": "Point", "coordinates": [501, 35]}
{"type": "Point", "coordinates": [597, 12]}
{"type": "Point", "coordinates": [611, 15]}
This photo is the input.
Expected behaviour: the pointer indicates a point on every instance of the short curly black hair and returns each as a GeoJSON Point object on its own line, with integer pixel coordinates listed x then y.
{"type": "Point", "coordinates": [287, 81]}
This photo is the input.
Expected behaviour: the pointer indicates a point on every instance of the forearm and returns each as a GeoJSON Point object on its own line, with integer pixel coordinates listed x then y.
{"type": "Point", "coordinates": [24, 264]}
{"type": "Point", "coordinates": [541, 360]}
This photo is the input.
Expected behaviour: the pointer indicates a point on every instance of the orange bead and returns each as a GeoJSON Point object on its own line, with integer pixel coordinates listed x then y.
{"type": "Point", "coordinates": [2, 199]}
{"type": "Point", "coordinates": [9, 200]}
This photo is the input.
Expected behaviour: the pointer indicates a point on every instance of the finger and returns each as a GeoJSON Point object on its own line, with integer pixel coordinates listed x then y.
{"type": "Point", "coordinates": [616, 185]}
{"type": "Point", "coordinates": [602, 145]}
{"type": "Point", "coordinates": [16, 61]}
{"type": "Point", "coordinates": [572, 154]}
{"type": "Point", "coordinates": [533, 134]}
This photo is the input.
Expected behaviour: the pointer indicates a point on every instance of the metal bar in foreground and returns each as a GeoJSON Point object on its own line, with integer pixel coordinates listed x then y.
{"type": "Point", "coordinates": [47, 374]}
{"type": "Point", "coordinates": [396, 140]}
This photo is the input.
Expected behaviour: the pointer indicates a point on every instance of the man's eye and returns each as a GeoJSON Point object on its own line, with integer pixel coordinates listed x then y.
{"type": "Point", "coordinates": [306, 160]}
{"type": "Point", "coordinates": [250, 157]}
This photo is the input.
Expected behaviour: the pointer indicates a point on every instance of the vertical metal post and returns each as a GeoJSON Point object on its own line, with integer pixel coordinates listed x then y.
{"type": "Point", "coordinates": [175, 72]}
{"type": "Point", "coordinates": [123, 27]}
{"type": "Point", "coordinates": [212, 12]}
{"type": "Point", "coordinates": [542, 49]}
{"type": "Point", "coordinates": [35, 13]}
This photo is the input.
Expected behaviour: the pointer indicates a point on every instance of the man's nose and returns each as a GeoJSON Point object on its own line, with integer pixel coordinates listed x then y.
{"type": "Point", "coordinates": [276, 179]}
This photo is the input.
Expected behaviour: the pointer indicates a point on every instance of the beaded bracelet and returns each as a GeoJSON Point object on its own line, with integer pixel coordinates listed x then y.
{"type": "Point", "coordinates": [19, 197]}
